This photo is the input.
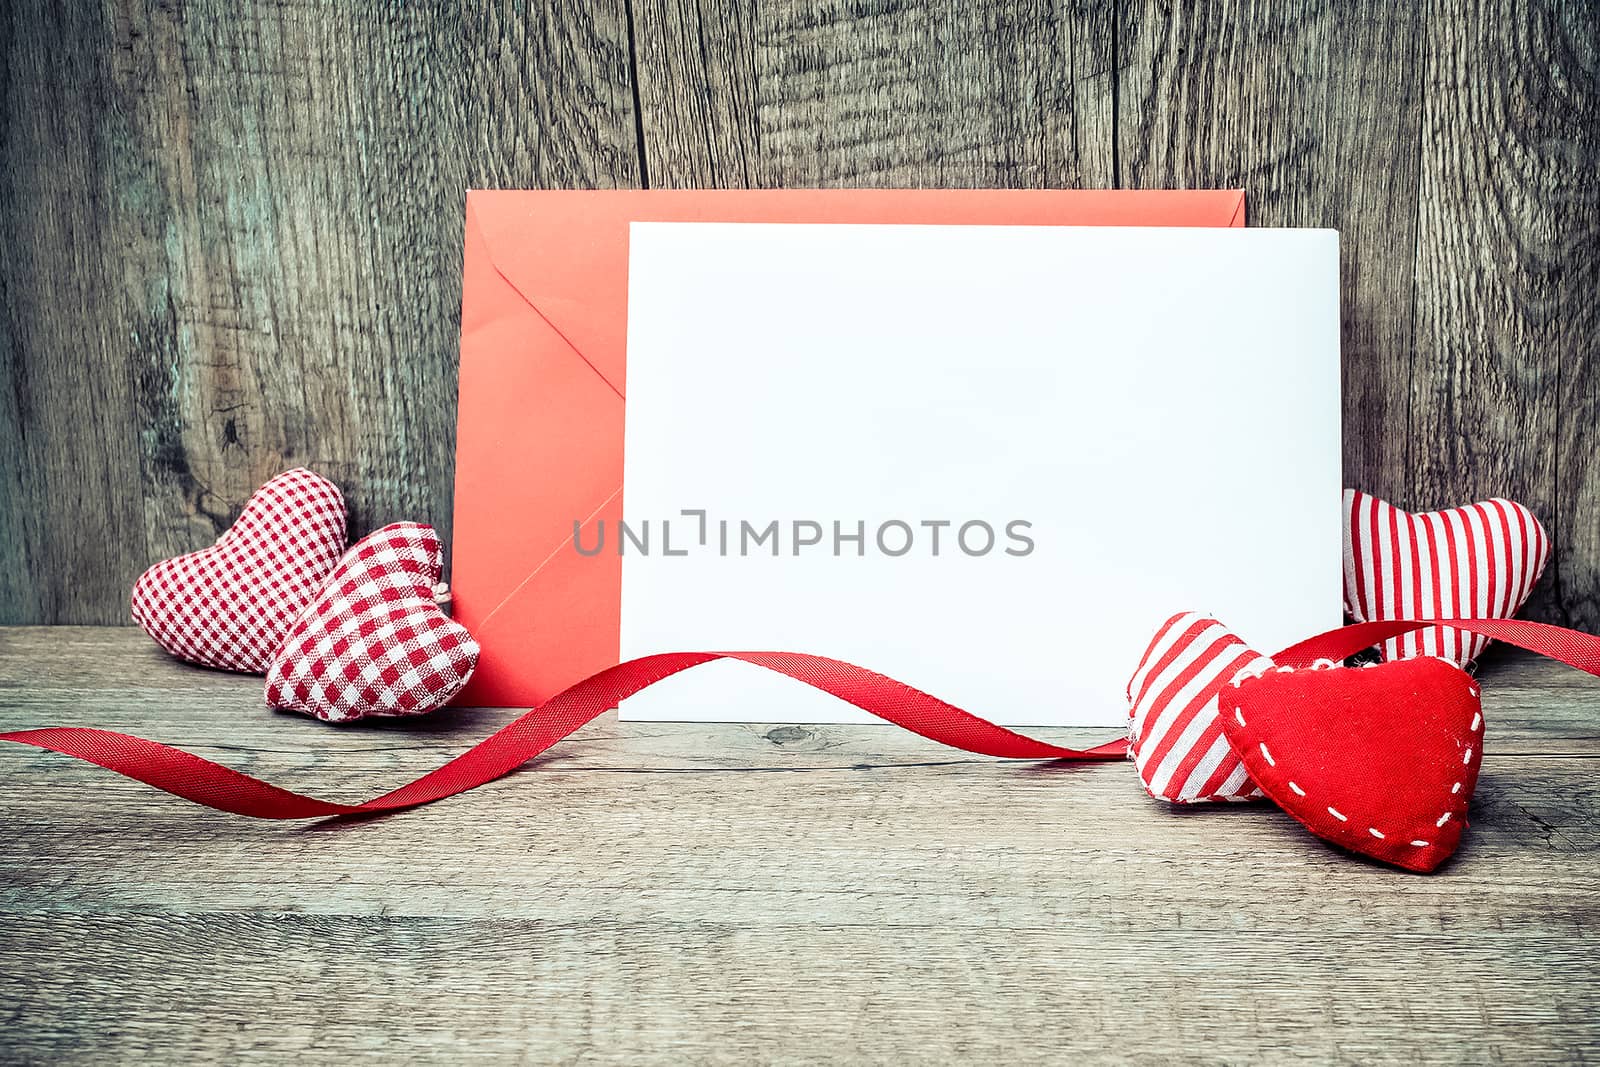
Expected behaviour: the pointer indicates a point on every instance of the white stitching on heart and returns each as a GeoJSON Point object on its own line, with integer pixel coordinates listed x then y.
{"type": "Point", "coordinates": [1245, 674]}
{"type": "Point", "coordinates": [1325, 664]}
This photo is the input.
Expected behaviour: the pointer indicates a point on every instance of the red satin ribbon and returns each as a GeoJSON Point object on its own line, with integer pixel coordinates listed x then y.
{"type": "Point", "coordinates": [215, 786]}
{"type": "Point", "coordinates": [193, 778]}
{"type": "Point", "coordinates": [1571, 647]}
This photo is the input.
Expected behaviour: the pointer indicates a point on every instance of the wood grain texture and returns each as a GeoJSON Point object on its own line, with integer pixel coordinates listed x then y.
{"type": "Point", "coordinates": [69, 452]}
{"type": "Point", "coordinates": [233, 241]}
{"type": "Point", "coordinates": [1507, 265]}
{"type": "Point", "coordinates": [233, 231]}
{"type": "Point", "coordinates": [890, 94]}
{"type": "Point", "coordinates": [661, 893]}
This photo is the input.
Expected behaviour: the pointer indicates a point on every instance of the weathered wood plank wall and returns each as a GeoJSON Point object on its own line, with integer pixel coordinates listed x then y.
{"type": "Point", "coordinates": [232, 232]}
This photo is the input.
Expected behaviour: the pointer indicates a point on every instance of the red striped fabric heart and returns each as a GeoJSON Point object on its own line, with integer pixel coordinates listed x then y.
{"type": "Point", "coordinates": [374, 642]}
{"type": "Point", "coordinates": [1477, 561]}
{"type": "Point", "coordinates": [1175, 736]}
{"type": "Point", "coordinates": [229, 605]}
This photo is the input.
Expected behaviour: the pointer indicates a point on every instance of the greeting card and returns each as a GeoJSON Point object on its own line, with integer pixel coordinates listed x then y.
{"type": "Point", "coordinates": [986, 460]}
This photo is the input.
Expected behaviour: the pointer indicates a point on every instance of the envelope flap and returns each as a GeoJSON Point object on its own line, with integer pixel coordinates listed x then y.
{"type": "Point", "coordinates": [564, 253]}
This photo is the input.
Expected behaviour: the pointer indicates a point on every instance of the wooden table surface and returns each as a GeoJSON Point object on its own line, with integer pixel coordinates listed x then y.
{"type": "Point", "coordinates": [673, 893]}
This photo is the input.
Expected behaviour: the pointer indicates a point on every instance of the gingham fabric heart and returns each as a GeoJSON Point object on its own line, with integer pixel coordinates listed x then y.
{"type": "Point", "coordinates": [374, 641]}
{"type": "Point", "coordinates": [230, 605]}
{"type": "Point", "coordinates": [1479, 561]}
{"type": "Point", "coordinates": [1175, 737]}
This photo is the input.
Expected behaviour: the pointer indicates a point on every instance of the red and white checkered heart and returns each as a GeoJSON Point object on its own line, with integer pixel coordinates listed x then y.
{"type": "Point", "coordinates": [1175, 736]}
{"type": "Point", "coordinates": [1478, 561]}
{"type": "Point", "coordinates": [374, 642]}
{"type": "Point", "coordinates": [230, 605]}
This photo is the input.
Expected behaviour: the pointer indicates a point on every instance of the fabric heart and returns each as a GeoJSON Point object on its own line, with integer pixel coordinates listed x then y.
{"type": "Point", "coordinates": [374, 641]}
{"type": "Point", "coordinates": [1380, 760]}
{"type": "Point", "coordinates": [230, 605]}
{"type": "Point", "coordinates": [1174, 731]}
{"type": "Point", "coordinates": [1478, 561]}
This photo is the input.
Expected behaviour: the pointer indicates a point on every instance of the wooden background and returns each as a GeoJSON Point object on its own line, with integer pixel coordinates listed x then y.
{"type": "Point", "coordinates": [230, 233]}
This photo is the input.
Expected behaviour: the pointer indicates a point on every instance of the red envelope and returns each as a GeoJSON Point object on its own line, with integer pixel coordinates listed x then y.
{"type": "Point", "coordinates": [543, 376]}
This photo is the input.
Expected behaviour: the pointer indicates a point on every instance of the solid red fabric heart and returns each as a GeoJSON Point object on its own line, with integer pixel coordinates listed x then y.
{"type": "Point", "coordinates": [229, 605]}
{"type": "Point", "coordinates": [1381, 759]}
{"type": "Point", "coordinates": [1478, 561]}
{"type": "Point", "coordinates": [374, 641]}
